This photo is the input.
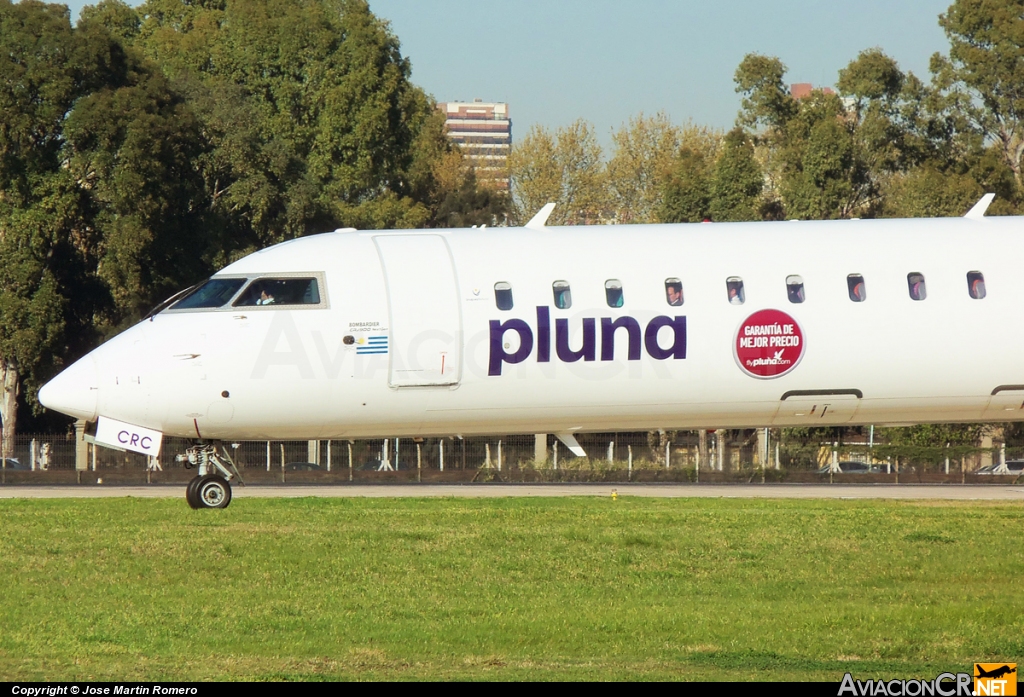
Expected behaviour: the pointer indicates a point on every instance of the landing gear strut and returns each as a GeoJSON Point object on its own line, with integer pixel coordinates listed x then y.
{"type": "Point", "coordinates": [210, 488]}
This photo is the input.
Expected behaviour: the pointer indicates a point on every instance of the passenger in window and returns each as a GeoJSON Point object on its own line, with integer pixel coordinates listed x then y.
{"type": "Point", "coordinates": [915, 282]}
{"type": "Point", "coordinates": [857, 289]}
{"type": "Point", "coordinates": [563, 297]}
{"type": "Point", "coordinates": [265, 298]}
{"type": "Point", "coordinates": [795, 289]}
{"type": "Point", "coordinates": [976, 284]}
{"type": "Point", "coordinates": [613, 292]}
{"type": "Point", "coordinates": [735, 286]}
{"type": "Point", "coordinates": [674, 291]}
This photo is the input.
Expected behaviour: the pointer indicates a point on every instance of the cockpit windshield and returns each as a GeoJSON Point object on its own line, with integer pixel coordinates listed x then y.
{"type": "Point", "coordinates": [280, 291]}
{"type": "Point", "coordinates": [213, 293]}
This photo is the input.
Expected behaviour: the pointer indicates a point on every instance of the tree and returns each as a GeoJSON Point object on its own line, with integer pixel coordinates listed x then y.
{"type": "Point", "coordinates": [737, 181]}
{"type": "Point", "coordinates": [308, 107]}
{"type": "Point", "coordinates": [470, 204]}
{"type": "Point", "coordinates": [132, 148]}
{"type": "Point", "coordinates": [686, 194]}
{"type": "Point", "coordinates": [766, 102]}
{"type": "Point", "coordinates": [821, 170]}
{"type": "Point", "coordinates": [642, 161]}
{"type": "Point", "coordinates": [983, 76]}
{"type": "Point", "coordinates": [100, 204]}
{"type": "Point", "coordinates": [564, 167]}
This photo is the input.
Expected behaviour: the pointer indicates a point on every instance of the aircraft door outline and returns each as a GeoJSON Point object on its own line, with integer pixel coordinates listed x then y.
{"type": "Point", "coordinates": [817, 407]}
{"type": "Point", "coordinates": [424, 312]}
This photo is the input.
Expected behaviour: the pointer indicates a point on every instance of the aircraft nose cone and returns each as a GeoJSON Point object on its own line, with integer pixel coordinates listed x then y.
{"type": "Point", "coordinates": [75, 391]}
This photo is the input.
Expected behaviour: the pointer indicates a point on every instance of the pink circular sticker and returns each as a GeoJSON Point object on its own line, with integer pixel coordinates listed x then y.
{"type": "Point", "coordinates": [769, 343]}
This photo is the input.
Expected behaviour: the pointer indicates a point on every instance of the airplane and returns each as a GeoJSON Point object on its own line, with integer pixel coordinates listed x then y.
{"type": "Point", "coordinates": [566, 330]}
{"type": "Point", "coordinates": [995, 672]}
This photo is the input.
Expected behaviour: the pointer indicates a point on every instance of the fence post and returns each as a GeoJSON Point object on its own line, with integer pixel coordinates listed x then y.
{"type": "Point", "coordinates": [499, 455]}
{"type": "Point", "coordinates": [540, 448]}
{"type": "Point", "coordinates": [947, 458]}
{"type": "Point", "coordinates": [268, 455]}
{"type": "Point", "coordinates": [350, 461]}
{"type": "Point", "coordinates": [629, 465]}
{"type": "Point", "coordinates": [668, 454]}
{"type": "Point", "coordinates": [440, 451]}
{"type": "Point", "coordinates": [487, 455]}
{"type": "Point", "coordinates": [328, 455]}
{"type": "Point", "coordinates": [282, 463]}
{"type": "Point", "coordinates": [419, 463]}
{"type": "Point", "coordinates": [766, 454]}
{"type": "Point", "coordinates": [554, 455]}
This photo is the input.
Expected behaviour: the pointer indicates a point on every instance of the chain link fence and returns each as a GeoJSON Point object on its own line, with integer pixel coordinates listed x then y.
{"type": "Point", "coordinates": [749, 455]}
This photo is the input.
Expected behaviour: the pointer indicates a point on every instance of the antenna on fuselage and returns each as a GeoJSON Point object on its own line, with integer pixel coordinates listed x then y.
{"type": "Point", "coordinates": [978, 211]}
{"type": "Point", "coordinates": [538, 221]}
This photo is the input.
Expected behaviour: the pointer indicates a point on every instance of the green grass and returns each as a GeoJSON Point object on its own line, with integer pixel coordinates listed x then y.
{"type": "Point", "coordinates": [572, 588]}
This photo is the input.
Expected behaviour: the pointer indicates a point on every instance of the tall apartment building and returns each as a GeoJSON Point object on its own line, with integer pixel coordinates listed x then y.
{"type": "Point", "coordinates": [484, 131]}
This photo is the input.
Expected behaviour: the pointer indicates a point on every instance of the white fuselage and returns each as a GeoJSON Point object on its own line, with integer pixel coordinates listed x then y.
{"type": "Point", "coordinates": [432, 354]}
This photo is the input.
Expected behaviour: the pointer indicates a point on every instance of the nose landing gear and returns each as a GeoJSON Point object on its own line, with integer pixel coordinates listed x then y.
{"type": "Point", "coordinates": [211, 488]}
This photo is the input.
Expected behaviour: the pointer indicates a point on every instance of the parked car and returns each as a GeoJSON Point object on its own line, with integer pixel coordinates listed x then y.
{"type": "Point", "coordinates": [302, 467]}
{"type": "Point", "coordinates": [12, 463]}
{"type": "Point", "coordinates": [1015, 467]}
{"type": "Point", "coordinates": [853, 468]}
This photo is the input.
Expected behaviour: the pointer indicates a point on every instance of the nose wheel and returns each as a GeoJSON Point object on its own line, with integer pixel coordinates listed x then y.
{"type": "Point", "coordinates": [209, 489]}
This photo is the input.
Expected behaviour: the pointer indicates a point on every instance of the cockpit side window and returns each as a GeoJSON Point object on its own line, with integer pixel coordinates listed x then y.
{"type": "Point", "coordinates": [214, 293]}
{"type": "Point", "coordinates": [280, 291]}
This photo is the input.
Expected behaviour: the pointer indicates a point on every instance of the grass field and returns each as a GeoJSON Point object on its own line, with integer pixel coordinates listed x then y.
{"type": "Point", "coordinates": [311, 589]}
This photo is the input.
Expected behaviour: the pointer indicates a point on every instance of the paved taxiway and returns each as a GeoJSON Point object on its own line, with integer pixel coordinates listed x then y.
{"type": "Point", "coordinates": [781, 491]}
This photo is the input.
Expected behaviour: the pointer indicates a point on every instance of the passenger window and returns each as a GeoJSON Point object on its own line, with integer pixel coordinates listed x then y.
{"type": "Point", "coordinates": [213, 293]}
{"type": "Point", "coordinates": [855, 285]}
{"type": "Point", "coordinates": [976, 284]}
{"type": "Point", "coordinates": [795, 288]}
{"type": "Point", "coordinates": [734, 285]}
{"type": "Point", "coordinates": [563, 298]}
{"type": "Point", "coordinates": [280, 291]}
{"type": "Point", "coordinates": [613, 292]}
{"type": "Point", "coordinates": [503, 295]}
{"type": "Point", "coordinates": [674, 291]}
{"type": "Point", "coordinates": [915, 282]}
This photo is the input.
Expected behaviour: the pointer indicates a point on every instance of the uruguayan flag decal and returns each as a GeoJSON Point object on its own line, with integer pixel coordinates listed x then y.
{"type": "Point", "coordinates": [372, 344]}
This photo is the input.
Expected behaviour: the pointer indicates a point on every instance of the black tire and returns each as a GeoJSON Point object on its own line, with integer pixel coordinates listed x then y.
{"type": "Point", "coordinates": [190, 492]}
{"type": "Point", "coordinates": [213, 491]}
